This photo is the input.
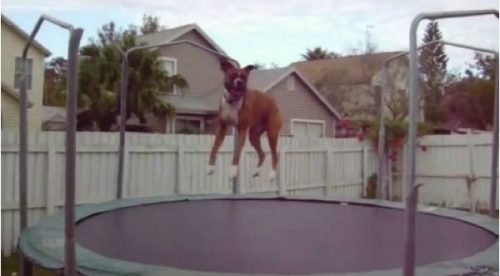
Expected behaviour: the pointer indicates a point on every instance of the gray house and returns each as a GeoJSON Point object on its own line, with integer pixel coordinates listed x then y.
{"type": "Point", "coordinates": [305, 112]}
{"type": "Point", "coordinates": [194, 55]}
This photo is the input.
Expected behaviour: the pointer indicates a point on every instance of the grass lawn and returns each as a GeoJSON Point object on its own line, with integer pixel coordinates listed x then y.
{"type": "Point", "coordinates": [10, 265]}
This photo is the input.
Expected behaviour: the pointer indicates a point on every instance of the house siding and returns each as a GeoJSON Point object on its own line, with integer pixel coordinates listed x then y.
{"type": "Point", "coordinates": [196, 38]}
{"type": "Point", "coordinates": [10, 111]}
{"type": "Point", "coordinates": [200, 68]}
{"type": "Point", "coordinates": [157, 124]}
{"type": "Point", "coordinates": [12, 45]}
{"type": "Point", "coordinates": [357, 100]}
{"type": "Point", "coordinates": [301, 103]}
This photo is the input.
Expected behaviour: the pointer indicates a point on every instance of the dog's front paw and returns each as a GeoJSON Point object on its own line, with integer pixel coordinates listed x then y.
{"type": "Point", "coordinates": [257, 172]}
{"type": "Point", "coordinates": [210, 169]}
{"type": "Point", "coordinates": [272, 175]}
{"type": "Point", "coordinates": [233, 172]}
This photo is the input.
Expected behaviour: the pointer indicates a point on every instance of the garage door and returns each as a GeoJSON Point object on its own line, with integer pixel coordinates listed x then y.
{"type": "Point", "coordinates": [307, 128]}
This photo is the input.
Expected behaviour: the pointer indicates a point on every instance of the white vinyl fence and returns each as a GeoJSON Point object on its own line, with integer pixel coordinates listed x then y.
{"type": "Point", "coordinates": [159, 164]}
{"type": "Point", "coordinates": [455, 170]}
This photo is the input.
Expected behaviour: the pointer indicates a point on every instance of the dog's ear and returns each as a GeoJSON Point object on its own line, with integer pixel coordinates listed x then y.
{"type": "Point", "coordinates": [225, 65]}
{"type": "Point", "coordinates": [249, 68]}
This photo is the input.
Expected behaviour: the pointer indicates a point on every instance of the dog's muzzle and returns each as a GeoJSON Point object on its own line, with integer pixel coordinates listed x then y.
{"type": "Point", "coordinates": [233, 96]}
{"type": "Point", "coordinates": [239, 85]}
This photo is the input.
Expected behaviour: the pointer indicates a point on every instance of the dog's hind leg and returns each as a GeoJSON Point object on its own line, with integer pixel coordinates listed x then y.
{"type": "Point", "coordinates": [240, 143]}
{"type": "Point", "coordinates": [273, 132]}
{"type": "Point", "coordinates": [254, 137]}
{"type": "Point", "coordinates": [219, 139]}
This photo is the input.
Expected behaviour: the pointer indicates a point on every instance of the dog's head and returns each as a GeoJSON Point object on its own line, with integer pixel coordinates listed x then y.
{"type": "Point", "coordinates": [235, 78]}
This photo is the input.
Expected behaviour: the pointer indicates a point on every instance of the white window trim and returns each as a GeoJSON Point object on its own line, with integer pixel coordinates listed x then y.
{"type": "Point", "coordinates": [162, 58]}
{"type": "Point", "coordinates": [32, 69]}
{"type": "Point", "coordinates": [322, 122]}
{"type": "Point", "coordinates": [190, 118]}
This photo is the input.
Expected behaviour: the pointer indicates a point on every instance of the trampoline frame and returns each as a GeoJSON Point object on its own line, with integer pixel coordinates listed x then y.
{"type": "Point", "coordinates": [43, 243]}
{"type": "Point", "coordinates": [57, 232]}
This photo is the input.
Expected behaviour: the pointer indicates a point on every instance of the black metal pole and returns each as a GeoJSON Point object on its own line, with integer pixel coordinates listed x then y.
{"type": "Point", "coordinates": [409, 242]}
{"type": "Point", "coordinates": [26, 267]}
{"type": "Point", "coordinates": [123, 121]}
{"type": "Point", "coordinates": [494, 161]}
{"type": "Point", "coordinates": [71, 105]}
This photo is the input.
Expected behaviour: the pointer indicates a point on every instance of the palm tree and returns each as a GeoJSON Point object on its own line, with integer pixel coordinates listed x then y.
{"type": "Point", "coordinates": [319, 53]}
{"type": "Point", "coordinates": [99, 81]}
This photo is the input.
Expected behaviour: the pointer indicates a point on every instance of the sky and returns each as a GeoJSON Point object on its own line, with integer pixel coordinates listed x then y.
{"type": "Point", "coordinates": [265, 31]}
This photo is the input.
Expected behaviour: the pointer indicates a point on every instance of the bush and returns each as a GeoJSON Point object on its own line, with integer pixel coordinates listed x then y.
{"type": "Point", "coordinates": [396, 132]}
{"type": "Point", "coordinates": [371, 186]}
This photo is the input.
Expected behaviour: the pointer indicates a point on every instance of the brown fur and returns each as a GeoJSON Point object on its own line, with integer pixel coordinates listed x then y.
{"type": "Point", "coordinates": [258, 114]}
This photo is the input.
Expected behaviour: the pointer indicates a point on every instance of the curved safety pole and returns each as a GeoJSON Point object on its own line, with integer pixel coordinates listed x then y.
{"type": "Point", "coordinates": [71, 105]}
{"type": "Point", "coordinates": [124, 95]}
{"type": "Point", "coordinates": [494, 161]}
{"type": "Point", "coordinates": [74, 42]}
{"type": "Point", "coordinates": [409, 244]}
{"type": "Point", "coordinates": [26, 267]}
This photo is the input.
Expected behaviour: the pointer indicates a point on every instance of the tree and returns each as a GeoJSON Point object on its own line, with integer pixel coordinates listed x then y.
{"type": "Point", "coordinates": [99, 80]}
{"type": "Point", "coordinates": [472, 100]}
{"type": "Point", "coordinates": [319, 53]}
{"type": "Point", "coordinates": [433, 62]}
{"type": "Point", "coordinates": [55, 82]}
{"type": "Point", "coordinates": [486, 65]}
{"type": "Point", "coordinates": [151, 24]}
{"type": "Point", "coordinates": [472, 97]}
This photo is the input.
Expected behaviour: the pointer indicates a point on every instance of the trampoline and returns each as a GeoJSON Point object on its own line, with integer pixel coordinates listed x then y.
{"type": "Point", "coordinates": [261, 235]}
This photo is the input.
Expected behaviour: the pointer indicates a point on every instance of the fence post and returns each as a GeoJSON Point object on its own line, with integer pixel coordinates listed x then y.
{"type": "Point", "coordinates": [180, 169]}
{"type": "Point", "coordinates": [281, 173]}
{"type": "Point", "coordinates": [388, 183]}
{"type": "Point", "coordinates": [364, 169]}
{"type": "Point", "coordinates": [471, 179]}
{"type": "Point", "coordinates": [242, 164]}
{"type": "Point", "coordinates": [328, 170]}
{"type": "Point", "coordinates": [126, 181]}
{"type": "Point", "coordinates": [51, 176]}
{"type": "Point", "coordinates": [403, 174]}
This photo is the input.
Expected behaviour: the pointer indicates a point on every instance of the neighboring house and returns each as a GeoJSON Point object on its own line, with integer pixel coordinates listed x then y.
{"type": "Point", "coordinates": [13, 41]}
{"type": "Point", "coordinates": [351, 83]}
{"type": "Point", "coordinates": [196, 57]}
{"type": "Point", "coordinates": [53, 118]}
{"type": "Point", "coordinates": [305, 112]}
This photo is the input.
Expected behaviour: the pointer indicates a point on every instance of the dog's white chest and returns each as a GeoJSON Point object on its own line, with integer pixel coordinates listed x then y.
{"type": "Point", "coordinates": [229, 112]}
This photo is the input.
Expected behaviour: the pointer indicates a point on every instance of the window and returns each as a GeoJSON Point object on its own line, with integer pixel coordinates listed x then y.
{"type": "Point", "coordinates": [18, 73]}
{"type": "Point", "coordinates": [307, 128]}
{"type": "Point", "coordinates": [189, 125]}
{"type": "Point", "coordinates": [290, 83]}
{"type": "Point", "coordinates": [169, 65]}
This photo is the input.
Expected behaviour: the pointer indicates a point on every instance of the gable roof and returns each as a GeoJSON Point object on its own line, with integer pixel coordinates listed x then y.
{"type": "Point", "coordinates": [347, 70]}
{"type": "Point", "coordinates": [24, 35]}
{"type": "Point", "coordinates": [264, 80]}
{"type": "Point", "coordinates": [172, 34]}
{"type": "Point", "coordinates": [53, 114]}
{"type": "Point", "coordinates": [13, 93]}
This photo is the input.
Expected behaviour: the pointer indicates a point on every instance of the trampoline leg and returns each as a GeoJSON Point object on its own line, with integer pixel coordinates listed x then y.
{"type": "Point", "coordinates": [410, 214]}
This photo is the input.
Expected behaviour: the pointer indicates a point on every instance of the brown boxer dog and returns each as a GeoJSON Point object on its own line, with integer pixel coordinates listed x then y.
{"type": "Point", "coordinates": [251, 112]}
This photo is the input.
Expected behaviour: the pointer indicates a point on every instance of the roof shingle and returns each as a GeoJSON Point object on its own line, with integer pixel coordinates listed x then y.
{"type": "Point", "coordinates": [348, 70]}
